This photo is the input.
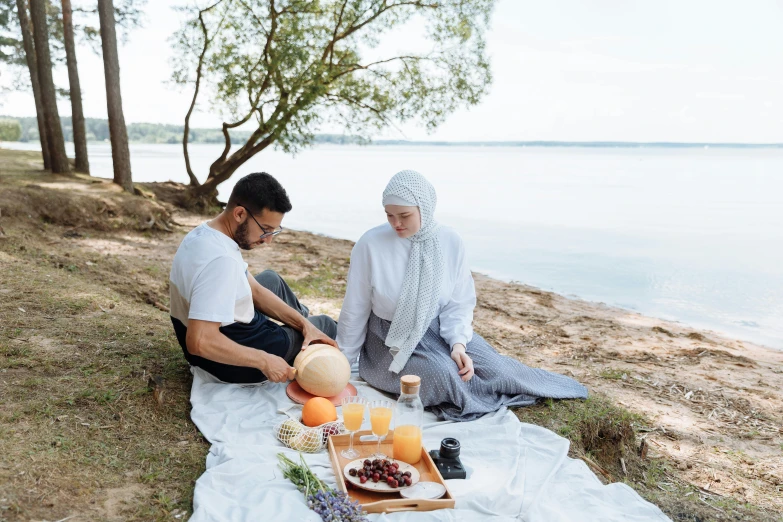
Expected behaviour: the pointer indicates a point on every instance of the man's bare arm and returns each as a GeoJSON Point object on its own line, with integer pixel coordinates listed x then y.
{"type": "Point", "coordinates": [204, 339]}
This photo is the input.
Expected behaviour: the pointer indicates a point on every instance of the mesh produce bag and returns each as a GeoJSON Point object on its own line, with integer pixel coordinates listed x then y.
{"type": "Point", "coordinates": [299, 437]}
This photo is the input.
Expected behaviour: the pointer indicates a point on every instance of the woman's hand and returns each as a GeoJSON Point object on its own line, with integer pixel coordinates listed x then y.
{"type": "Point", "coordinates": [463, 360]}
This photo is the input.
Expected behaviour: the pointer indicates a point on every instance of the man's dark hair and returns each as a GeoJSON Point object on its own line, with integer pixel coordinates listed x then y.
{"type": "Point", "coordinates": [259, 191]}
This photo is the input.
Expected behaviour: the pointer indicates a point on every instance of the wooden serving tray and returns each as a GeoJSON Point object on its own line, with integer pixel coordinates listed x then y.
{"type": "Point", "coordinates": [374, 502]}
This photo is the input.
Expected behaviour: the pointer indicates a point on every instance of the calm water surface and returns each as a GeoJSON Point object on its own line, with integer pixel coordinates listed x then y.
{"type": "Point", "coordinates": [693, 235]}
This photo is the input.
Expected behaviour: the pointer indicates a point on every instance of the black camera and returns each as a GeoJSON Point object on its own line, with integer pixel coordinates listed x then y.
{"type": "Point", "coordinates": [447, 459]}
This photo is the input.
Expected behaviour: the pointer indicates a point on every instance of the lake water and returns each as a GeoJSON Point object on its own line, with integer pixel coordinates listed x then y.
{"type": "Point", "coordinates": [693, 235]}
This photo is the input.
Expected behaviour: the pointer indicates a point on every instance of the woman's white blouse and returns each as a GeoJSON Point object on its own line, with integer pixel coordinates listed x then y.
{"type": "Point", "coordinates": [378, 263]}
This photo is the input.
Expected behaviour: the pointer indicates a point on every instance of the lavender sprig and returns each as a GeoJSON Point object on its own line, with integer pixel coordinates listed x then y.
{"type": "Point", "coordinates": [335, 506]}
{"type": "Point", "coordinates": [331, 505]}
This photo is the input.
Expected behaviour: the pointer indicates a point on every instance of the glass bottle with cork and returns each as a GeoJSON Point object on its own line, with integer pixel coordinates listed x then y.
{"type": "Point", "coordinates": [409, 414]}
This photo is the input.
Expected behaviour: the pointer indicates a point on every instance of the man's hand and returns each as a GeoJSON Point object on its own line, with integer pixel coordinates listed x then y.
{"type": "Point", "coordinates": [312, 334]}
{"type": "Point", "coordinates": [464, 362]}
{"type": "Point", "coordinates": [205, 339]}
{"type": "Point", "coordinates": [276, 369]}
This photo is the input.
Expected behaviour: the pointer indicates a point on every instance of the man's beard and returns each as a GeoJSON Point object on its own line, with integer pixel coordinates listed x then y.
{"type": "Point", "coordinates": [240, 236]}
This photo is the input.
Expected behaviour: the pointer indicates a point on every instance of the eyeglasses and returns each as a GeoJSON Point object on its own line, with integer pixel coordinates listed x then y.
{"type": "Point", "coordinates": [262, 227]}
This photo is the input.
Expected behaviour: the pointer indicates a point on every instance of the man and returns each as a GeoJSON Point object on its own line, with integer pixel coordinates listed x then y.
{"type": "Point", "coordinates": [219, 310]}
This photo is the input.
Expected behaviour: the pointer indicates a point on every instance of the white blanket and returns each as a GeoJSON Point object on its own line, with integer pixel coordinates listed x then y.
{"type": "Point", "coordinates": [516, 471]}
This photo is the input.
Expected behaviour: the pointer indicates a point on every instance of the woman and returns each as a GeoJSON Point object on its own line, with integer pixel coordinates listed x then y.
{"type": "Point", "coordinates": [408, 309]}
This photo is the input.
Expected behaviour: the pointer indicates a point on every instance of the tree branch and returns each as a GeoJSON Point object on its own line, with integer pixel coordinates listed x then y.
{"type": "Point", "coordinates": [328, 51]}
{"type": "Point", "coordinates": [386, 8]}
{"type": "Point", "coordinates": [227, 137]}
{"type": "Point", "coordinates": [193, 180]}
{"type": "Point", "coordinates": [378, 113]}
{"type": "Point", "coordinates": [336, 28]}
{"type": "Point", "coordinates": [254, 16]}
{"type": "Point", "coordinates": [358, 67]}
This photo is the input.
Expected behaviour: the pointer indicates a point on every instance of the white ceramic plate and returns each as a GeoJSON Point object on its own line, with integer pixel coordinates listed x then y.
{"type": "Point", "coordinates": [424, 490]}
{"type": "Point", "coordinates": [380, 486]}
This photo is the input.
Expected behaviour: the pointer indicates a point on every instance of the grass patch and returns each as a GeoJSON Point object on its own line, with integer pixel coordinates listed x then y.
{"type": "Point", "coordinates": [611, 373]}
{"type": "Point", "coordinates": [78, 201]}
{"type": "Point", "coordinates": [601, 433]}
{"type": "Point", "coordinates": [321, 282]}
{"type": "Point", "coordinates": [662, 330]}
{"type": "Point", "coordinates": [596, 428]}
{"type": "Point", "coordinates": [79, 425]}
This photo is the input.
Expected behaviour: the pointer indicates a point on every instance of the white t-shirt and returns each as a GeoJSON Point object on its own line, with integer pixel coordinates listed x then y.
{"type": "Point", "coordinates": [378, 263]}
{"type": "Point", "coordinates": [208, 279]}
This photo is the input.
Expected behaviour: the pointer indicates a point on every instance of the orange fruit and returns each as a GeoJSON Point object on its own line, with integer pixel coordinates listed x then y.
{"type": "Point", "coordinates": [318, 411]}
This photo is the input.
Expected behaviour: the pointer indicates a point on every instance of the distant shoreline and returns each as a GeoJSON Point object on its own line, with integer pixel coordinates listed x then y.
{"type": "Point", "coordinates": [170, 134]}
{"type": "Point", "coordinates": [584, 144]}
{"type": "Point", "coordinates": [499, 144]}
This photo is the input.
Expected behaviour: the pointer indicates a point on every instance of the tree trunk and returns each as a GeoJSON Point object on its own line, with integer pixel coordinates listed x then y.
{"type": "Point", "coordinates": [54, 131]}
{"type": "Point", "coordinates": [77, 114]}
{"type": "Point", "coordinates": [220, 171]}
{"type": "Point", "coordinates": [29, 52]}
{"type": "Point", "coordinates": [186, 134]}
{"type": "Point", "coordinates": [118, 133]}
{"type": "Point", "coordinates": [204, 196]}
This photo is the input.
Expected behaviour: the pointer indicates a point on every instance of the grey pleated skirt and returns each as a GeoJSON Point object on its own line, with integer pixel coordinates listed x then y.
{"type": "Point", "coordinates": [498, 380]}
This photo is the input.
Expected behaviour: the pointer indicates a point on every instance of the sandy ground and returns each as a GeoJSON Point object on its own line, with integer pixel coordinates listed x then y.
{"type": "Point", "coordinates": [716, 403]}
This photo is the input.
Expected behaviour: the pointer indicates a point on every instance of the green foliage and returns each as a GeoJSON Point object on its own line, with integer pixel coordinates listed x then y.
{"type": "Point", "coordinates": [10, 38]}
{"type": "Point", "coordinates": [11, 49]}
{"type": "Point", "coordinates": [98, 130]}
{"type": "Point", "coordinates": [128, 16]}
{"type": "Point", "coordinates": [297, 65]}
{"type": "Point", "coordinates": [10, 130]}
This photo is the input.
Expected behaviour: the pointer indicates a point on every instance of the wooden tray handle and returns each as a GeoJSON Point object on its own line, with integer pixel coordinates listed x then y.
{"type": "Point", "coordinates": [412, 506]}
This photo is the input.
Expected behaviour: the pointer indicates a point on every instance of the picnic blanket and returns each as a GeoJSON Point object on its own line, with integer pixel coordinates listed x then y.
{"type": "Point", "coordinates": [516, 471]}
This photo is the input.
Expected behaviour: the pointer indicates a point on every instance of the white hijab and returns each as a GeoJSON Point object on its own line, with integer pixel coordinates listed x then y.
{"type": "Point", "coordinates": [421, 286]}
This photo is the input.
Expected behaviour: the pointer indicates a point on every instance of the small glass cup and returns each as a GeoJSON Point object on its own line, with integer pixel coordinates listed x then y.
{"type": "Point", "coordinates": [353, 415]}
{"type": "Point", "coordinates": [380, 418]}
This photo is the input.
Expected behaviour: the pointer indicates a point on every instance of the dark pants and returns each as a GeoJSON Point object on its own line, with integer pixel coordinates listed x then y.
{"type": "Point", "coordinates": [270, 280]}
{"type": "Point", "coordinates": [261, 334]}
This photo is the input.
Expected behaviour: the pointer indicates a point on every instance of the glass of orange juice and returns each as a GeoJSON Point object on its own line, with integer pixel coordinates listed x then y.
{"type": "Point", "coordinates": [380, 418]}
{"type": "Point", "coordinates": [353, 415]}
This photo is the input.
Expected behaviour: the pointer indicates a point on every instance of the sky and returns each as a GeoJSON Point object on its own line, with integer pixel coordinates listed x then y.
{"type": "Point", "coordinates": [566, 70]}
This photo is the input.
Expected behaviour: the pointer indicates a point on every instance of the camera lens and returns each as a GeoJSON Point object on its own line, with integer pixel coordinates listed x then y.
{"type": "Point", "coordinates": [449, 448]}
